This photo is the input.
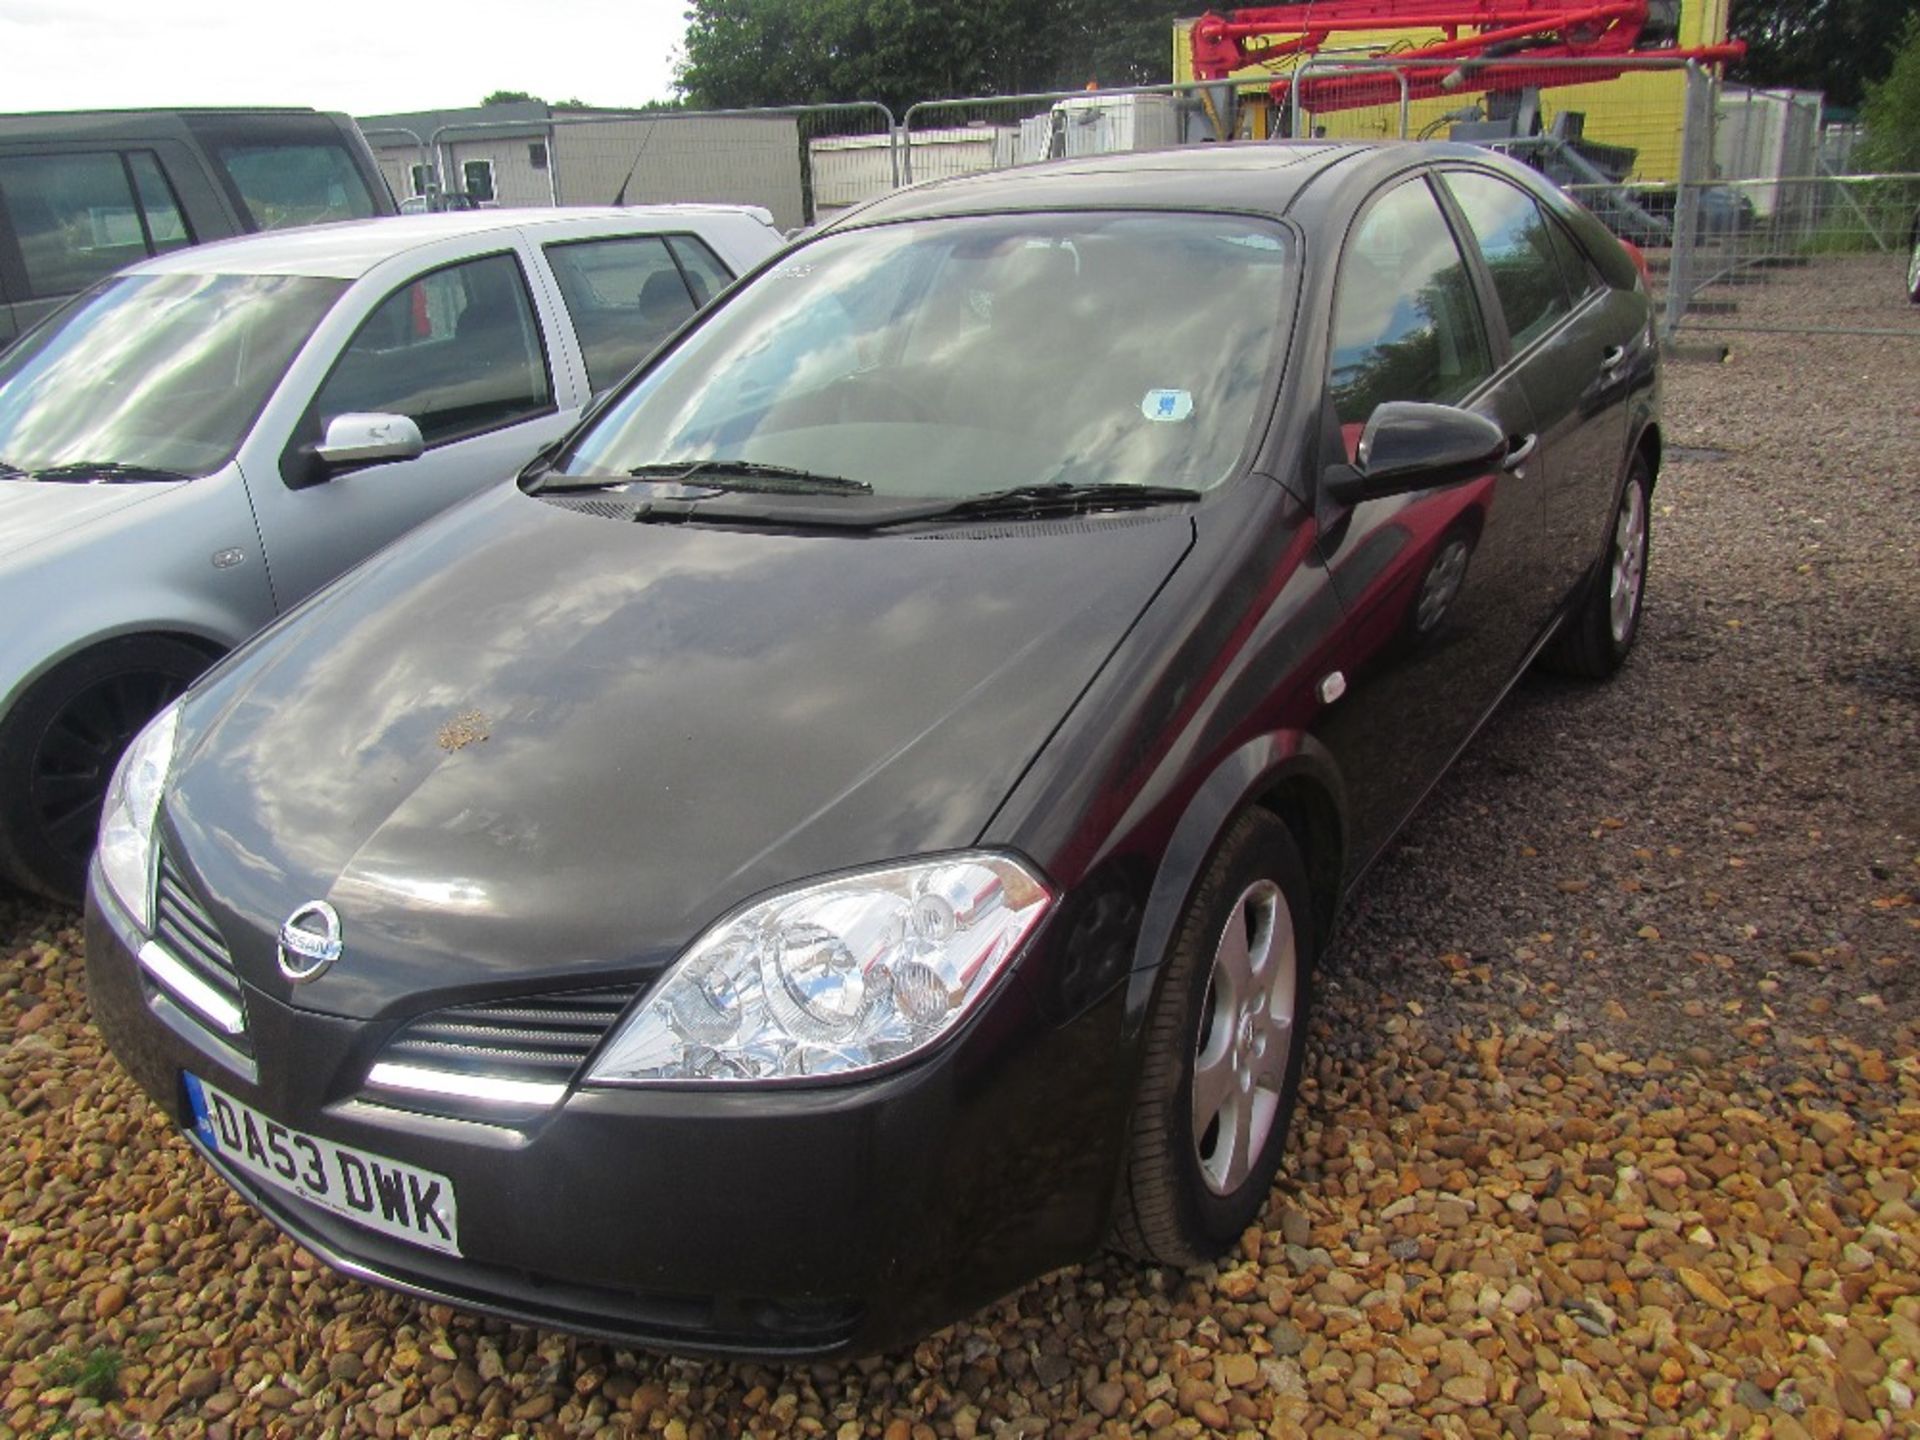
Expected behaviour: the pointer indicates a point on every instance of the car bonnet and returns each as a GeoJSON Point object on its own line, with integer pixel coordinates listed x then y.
{"type": "Point", "coordinates": [529, 747]}
{"type": "Point", "coordinates": [32, 512]}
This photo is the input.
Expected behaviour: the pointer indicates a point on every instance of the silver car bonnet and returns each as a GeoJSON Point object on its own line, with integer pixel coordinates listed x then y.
{"type": "Point", "coordinates": [32, 511]}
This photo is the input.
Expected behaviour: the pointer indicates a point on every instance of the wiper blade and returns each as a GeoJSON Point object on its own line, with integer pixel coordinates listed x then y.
{"type": "Point", "coordinates": [742, 475]}
{"type": "Point", "coordinates": [752, 475]}
{"type": "Point", "coordinates": [1060, 497]}
{"type": "Point", "coordinates": [111, 471]}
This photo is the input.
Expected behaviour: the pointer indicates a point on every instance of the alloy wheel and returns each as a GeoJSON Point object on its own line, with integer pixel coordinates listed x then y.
{"type": "Point", "coordinates": [1246, 1037]}
{"type": "Point", "coordinates": [1629, 562]}
{"type": "Point", "coordinates": [75, 758]}
{"type": "Point", "coordinates": [1441, 585]}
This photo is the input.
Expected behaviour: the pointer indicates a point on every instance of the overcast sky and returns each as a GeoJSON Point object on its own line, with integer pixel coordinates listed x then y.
{"type": "Point", "coordinates": [366, 57]}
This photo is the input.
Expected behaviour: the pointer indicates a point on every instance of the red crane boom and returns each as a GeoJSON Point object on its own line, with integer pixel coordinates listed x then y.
{"type": "Point", "coordinates": [1478, 36]}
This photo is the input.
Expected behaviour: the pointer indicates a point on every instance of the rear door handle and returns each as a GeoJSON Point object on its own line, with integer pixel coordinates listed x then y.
{"type": "Point", "coordinates": [1613, 359]}
{"type": "Point", "coordinates": [1519, 451]}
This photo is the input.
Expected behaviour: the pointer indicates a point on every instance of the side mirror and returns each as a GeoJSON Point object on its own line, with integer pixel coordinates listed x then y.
{"type": "Point", "coordinates": [368, 440]}
{"type": "Point", "coordinates": [1409, 446]}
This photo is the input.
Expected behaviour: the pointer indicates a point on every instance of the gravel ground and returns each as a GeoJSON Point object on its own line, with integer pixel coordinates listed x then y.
{"type": "Point", "coordinates": [1613, 1124]}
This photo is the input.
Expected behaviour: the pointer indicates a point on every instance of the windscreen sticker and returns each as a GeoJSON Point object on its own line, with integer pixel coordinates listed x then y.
{"type": "Point", "coordinates": [1167, 405]}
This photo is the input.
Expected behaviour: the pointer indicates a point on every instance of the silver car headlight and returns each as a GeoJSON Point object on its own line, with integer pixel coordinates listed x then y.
{"type": "Point", "coordinates": [126, 821]}
{"type": "Point", "coordinates": [831, 979]}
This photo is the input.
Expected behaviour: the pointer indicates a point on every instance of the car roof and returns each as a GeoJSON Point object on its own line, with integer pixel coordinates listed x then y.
{"type": "Point", "coordinates": [1263, 177]}
{"type": "Point", "coordinates": [349, 249]}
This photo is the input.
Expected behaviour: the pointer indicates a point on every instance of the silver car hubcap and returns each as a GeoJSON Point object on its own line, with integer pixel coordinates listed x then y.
{"type": "Point", "coordinates": [1913, 271]}
{"type": "Point", "coordinates": [1629, 561]}
{"type": "Point", "coordinates": [1246, 1036]}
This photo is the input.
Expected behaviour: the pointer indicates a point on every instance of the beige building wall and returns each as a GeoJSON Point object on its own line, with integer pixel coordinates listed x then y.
{"type": "Point", "coordinates": [742, 160]}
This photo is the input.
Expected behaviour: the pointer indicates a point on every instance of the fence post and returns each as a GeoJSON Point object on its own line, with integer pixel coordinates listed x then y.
{"type": "Point", "coordinates": [906, 142]}
{"type": "Point", "coordinates": [1696, 169]}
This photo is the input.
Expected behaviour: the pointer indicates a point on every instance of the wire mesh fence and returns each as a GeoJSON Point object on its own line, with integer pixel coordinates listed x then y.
{"type": "Point", "coordinates": [945, 138]}
{"type": "Point", "coordinates": [1825, 253]}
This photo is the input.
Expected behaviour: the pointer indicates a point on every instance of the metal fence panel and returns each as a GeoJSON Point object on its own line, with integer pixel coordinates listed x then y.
{"type": "Point", "coordinates": [944, 138]}
{"type": "Point", "coordinates": [1824, 253]}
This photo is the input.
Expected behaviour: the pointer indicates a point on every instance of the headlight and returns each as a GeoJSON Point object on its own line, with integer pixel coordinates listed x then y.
{"type": "Point", "coordinates": [126, 822]}
{"type": "Point", "coordinates": [831, 979]}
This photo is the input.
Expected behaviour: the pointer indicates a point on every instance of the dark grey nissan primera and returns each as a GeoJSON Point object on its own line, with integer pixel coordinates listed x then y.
{"type": "Point", "coordinates": [852, 828]}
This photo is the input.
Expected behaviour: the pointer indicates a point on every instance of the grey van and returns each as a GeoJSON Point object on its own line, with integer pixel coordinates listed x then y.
{"type": "Point", "coordinates": [83, 194]}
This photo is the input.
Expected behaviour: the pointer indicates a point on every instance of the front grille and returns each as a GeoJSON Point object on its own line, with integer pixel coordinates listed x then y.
{"type": "Point", "coordinates": [543, 1038]}
{"type": "Point", "coordinates": [183, 926]}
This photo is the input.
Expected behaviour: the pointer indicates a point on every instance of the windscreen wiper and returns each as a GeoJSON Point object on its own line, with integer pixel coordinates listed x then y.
{"type": "Point", "coordinates": [745, 475]}
{"type": "Point", "coordinates": [109, 471]}
{"type": "Point", "coordinates": [1061, 498]}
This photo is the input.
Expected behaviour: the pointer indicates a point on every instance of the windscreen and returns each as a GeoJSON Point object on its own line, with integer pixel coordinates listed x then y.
{"type": "Point", "coordinates": [161, 372]}
{"type": "Point", "coordinates": [950, 358]}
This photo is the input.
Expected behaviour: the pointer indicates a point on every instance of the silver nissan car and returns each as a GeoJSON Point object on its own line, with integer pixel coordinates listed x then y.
{"type": "Point", "coordinates": [201, 441]}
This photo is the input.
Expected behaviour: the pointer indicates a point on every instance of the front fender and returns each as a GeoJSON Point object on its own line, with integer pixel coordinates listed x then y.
{"type": "Point", "coordinates": [148, 570]}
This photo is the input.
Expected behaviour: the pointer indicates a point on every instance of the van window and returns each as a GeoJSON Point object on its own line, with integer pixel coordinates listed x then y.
{"type": "Point", "coordinates": [166, 227]}
{"type": "Point", "coordinates": [74, 217]}
{"type": "Point", "coordinates": [287, 185]}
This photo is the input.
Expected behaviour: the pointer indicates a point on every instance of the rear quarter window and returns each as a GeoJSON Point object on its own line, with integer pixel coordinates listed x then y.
{"type": "Point", "coordinates": [283, 185]}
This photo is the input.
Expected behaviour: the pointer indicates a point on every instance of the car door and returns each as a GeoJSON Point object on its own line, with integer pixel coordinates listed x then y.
{"type": "Point", "coordinates": [1570, 348]}
{"type": "Point", "coordinates": [464, 349]}
{"type": "Point", "coordinates": [1443, 596]}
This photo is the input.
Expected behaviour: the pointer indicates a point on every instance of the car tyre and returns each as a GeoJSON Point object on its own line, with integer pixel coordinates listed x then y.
{"type": "Point", "coordinates": [58, 747]}
{"type": "Point", "coordinates": [1224, 1049]}
{"type": "Point", "coordinates": [1594, 640]}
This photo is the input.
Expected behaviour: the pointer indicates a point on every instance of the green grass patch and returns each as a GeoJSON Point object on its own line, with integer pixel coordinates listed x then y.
{"type": "Point", "coordinates": [96, 1374]}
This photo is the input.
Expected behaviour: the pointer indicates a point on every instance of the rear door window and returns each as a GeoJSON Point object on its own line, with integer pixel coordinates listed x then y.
{"type": "Point", "coordinates": [625, 295]}
{"type": "Point", "coordinates": [283, 185]}
{"type": "Point", "coordinates": [1406, 323]}
{"type": "Point", "coordinates": [1576, 270]}
{"type": "Point", "coordinates": [1515, 241]}
{"type": "Point", "coordinates": [74, 216]}
{"type": "Point", "coordinates": [458, 350]}
{"type": "Point", "coordinates": [705, 273]}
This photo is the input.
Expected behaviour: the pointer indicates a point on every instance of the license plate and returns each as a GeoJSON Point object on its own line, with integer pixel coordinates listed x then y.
{"type": "Point", "coordinates": [396, 1199]}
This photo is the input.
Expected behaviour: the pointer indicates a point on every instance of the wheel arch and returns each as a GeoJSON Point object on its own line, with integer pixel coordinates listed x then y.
{"type": "Point", "coordinates": [1648, 445]}
{"type": "Point", "coordinates": [210, 644]}
{"type": "Point", "coordinates": [1290, 775]}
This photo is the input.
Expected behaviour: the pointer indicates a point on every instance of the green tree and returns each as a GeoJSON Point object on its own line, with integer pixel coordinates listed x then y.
{"type": "Point", "coordinates": [509, 97]}
{"type": "Point", "coordinates": [1891, 111]}
{"type": "Point", "coordinates": [790, 52]}
{"type": "Point", "coordinates": [1836, 46]}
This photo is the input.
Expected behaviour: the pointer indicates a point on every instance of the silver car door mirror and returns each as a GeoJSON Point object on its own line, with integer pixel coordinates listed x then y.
{"type": "Point", "coordinates": [363, 439]}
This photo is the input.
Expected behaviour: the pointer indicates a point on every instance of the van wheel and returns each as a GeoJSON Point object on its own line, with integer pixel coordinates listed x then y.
{"type": "Point", "coordinates": [1224, 1049]}
{"type": "Point", "coordinates": [58, 747]}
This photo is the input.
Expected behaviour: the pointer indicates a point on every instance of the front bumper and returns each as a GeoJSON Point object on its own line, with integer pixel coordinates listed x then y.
{"type": "Point", "coordinates": [797, 1223]}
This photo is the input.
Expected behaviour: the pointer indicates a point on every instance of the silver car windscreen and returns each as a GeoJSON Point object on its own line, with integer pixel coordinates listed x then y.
{"type": "Point", "coordinates": [162, 373]}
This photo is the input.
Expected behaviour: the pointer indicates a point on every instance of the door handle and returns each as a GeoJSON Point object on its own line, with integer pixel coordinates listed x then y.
{"type": "Point", "coordinates": [1613, 359]}
{"type": "Point", "coordinates": [1519, 451]}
